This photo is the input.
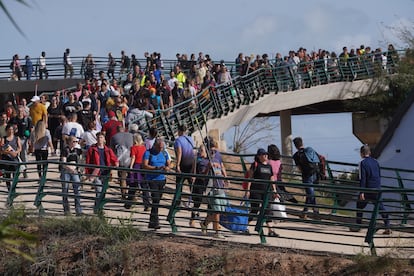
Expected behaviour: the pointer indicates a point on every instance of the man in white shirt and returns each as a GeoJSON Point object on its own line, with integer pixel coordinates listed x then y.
{"type": "Point", "coordinates": [42, 66]}
{"type": "Point", "coordinates": [72, 128]}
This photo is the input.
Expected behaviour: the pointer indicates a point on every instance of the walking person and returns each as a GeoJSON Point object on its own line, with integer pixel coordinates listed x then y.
{"type": "Point", "coordinates": [41, 140]}
{"type": "Point", "coordinates": [307, 161]}
{"type": "Point", "coordinates": [24, 128]}
{"type": "Point", "coordinates": [99, 155]}
{"type": "Point", "coordinates": [156, 159]}
{"type": "Point", "coordinates": [257, 191]}
{"type": "Point", "coordinates": [370, 178]}
{"type": "Point", "coordinates": [10, 150]}
{"type": "Point", "coordinates": [67, 63]}
{"type": "Point", "coordinates": [184, 154]}
{"type": "Point", "coordinates": [28, 68]}
{"type": "Point", "coordinates": [42, 66]}
{"type": "Point", "coordinates": [16, 67]}
{"type": "Point", "coordinates": [136, 178]}
{"type": "Point", "coordinates": [216, 199]}
{"type": "Point", "coordinates": [111, 66]}
{"type": "Point", "coordinates": [277, 167]}
{"type": "Point", "coordinates": [201, 167]}
{"type": "Point", "coordinates": [121, 144]}
{"type": "Point", "coordinates": [70, 174]}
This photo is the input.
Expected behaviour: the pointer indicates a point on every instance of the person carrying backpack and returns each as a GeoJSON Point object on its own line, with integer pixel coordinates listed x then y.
{"type": "Point", "coordinates": [307, 161]}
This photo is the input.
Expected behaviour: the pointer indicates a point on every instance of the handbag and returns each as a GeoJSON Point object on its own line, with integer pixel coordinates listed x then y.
{"type": "Point", "coordinates": [279, 210]}
{"type": "Point", "coordinates": [23, 167]}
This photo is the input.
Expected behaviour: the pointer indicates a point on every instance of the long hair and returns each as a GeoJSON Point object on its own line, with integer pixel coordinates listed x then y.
{"type": "Point", "coordinates": [39, 130]}
{"type": "Point", "coordinates": [274, 152]}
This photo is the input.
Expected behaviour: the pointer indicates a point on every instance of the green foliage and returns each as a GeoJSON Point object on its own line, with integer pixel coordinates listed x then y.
{"type": "Point", "coordinates": [13, 239]}
{"type": "Point", "coordinates": [385, 102]}
{"type": "Point", "coordinates": [90, 226]}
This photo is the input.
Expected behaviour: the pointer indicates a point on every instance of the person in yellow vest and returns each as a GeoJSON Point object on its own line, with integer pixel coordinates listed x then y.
{"type": "Point", "coordinates": [181, 78]}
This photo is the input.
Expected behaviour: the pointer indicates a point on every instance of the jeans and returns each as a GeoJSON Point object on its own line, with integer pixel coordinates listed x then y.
{"type": "Point", "coordinates": [157, 187]}
{"type": "Point", "coordinates": [41, 155]}
{"type": "Point", "coordinates": [373, 198]}
{"type": "Point", "coordinates": [181, 179]}
{"type": "Point", "coordinates": [75, 180]}
{"type": "Point", "coordinates": [310, 193]}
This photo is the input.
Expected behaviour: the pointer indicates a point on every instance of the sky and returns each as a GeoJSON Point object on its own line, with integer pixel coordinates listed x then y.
{"type": "Point", "coordinates": [329, 134]}
{"type": "Point", "coordinates": [219, 28]}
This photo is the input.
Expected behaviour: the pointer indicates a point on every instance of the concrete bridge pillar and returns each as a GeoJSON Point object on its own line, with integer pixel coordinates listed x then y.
{"type": "Point", "coordinates": [286, 134]}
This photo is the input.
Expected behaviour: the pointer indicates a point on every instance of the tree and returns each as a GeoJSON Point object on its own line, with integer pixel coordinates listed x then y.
{"type": "Point", "coordinates": [11, 18]}
{"type": "Point", "coordinates": [255, 131]}
{"type": "Point", "coordinates": [396, 88]}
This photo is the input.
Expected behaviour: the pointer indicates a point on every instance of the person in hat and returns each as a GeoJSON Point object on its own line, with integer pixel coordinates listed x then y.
{"type": "Point", "coordinates": [71, 156]}
{"type": "Point", "coordinates": [110, 128]}
{"type": "Point", "coordinates": [37, 111]}
{"type": "Point", "coordinates": [257, 191]}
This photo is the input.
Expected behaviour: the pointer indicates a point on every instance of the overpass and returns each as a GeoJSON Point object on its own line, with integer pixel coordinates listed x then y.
{"type": "Point", "coordinates": [266, 91]}
{"type": "Point", "coordinates": [309, 87]}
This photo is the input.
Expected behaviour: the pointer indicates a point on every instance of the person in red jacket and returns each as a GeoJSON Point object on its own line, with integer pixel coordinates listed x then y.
{"type": "Point", "coordinates": [100, 155]}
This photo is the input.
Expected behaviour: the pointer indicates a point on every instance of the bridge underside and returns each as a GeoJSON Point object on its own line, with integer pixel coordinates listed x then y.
{"type": "Point", "coordinates": [334, 106]}
{"type": "Point", "coordinates": [27, 88]}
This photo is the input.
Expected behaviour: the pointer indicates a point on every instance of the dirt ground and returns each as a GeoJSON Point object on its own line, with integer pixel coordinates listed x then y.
{"type": "Point", "coordinates": [153, 254]}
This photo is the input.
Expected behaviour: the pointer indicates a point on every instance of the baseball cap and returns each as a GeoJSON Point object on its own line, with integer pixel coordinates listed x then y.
{"type": "Point", "coordinates": [35, 99]}
{"type": "Point", "coordinates": [111, 114]}
{"type": "Point", "coordinates": [261, 151]}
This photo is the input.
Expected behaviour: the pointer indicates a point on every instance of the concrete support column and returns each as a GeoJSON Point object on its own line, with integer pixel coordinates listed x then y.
{"type": "Point", "coordinates": [286, 136]}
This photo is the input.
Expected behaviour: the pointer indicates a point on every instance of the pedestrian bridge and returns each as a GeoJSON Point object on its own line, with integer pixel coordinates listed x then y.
{"type": "Point", "coordinates": [278, 90]}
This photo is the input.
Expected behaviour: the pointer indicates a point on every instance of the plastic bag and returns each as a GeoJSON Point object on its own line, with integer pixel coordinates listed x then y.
{"type": "Point", "coordinates": [279, 210]}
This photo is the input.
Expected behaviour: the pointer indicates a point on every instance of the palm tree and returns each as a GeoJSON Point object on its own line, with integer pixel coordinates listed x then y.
{"type": "Point", "coordinates": [6, 11]}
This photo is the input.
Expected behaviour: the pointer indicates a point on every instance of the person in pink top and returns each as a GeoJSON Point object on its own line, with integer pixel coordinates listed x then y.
{"type": "Point", "coordinates": [277, 168]}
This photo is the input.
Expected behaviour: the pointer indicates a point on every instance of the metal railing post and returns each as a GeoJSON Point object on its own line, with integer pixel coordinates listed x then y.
{"type": "Point", "coordinates": [405, 203]}
{"type": "Point", "coordinates": [369, 238]}
{"type": "Point", "coordinates": [12, 193]}
{"type": "Point", "coordinates": [173, 208]}
{"type": "Point", "coordinates": [262, 216]}
{"type": "Point", "coordinates": [40, 191]}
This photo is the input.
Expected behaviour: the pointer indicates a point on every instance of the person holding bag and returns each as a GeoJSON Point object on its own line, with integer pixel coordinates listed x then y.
{"type": "Point", "coordinates": [279, 209]}
{"type": "Point", "coordinates": [257, 191]}
{"type": "Point", "coordinates": [10, 150]}
{"type": "Point", "coordinates": [216, 199]}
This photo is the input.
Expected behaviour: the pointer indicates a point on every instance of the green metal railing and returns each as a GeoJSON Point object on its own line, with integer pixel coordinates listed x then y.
{"type": "Point", "coordinates": [216, 102]}
{"type": "Point", "coordinates": [44, 197]}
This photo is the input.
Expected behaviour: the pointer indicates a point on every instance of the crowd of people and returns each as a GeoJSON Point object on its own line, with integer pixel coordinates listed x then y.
{"type": "Point", "coordinates": [99, 121]}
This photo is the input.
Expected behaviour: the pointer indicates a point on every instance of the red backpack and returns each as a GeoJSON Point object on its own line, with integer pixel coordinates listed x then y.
{"type": "Point", "coordinates": [246, 175]}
